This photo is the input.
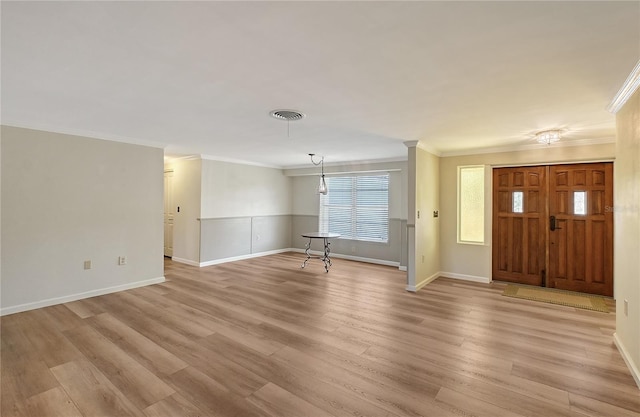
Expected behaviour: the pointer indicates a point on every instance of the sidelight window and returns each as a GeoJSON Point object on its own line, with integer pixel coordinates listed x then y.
{"type": "Point", "coordinates": [471, 204]}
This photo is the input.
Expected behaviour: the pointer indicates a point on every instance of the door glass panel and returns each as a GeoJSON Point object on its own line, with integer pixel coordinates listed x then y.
{"type": "Point", "coordinates": [580, 202]}
{"type": "Point", "coordinates": [518, 204]}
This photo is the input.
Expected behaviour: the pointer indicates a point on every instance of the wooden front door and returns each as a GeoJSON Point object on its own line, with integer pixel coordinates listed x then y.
{"type": "Point", "coordinates": [519, 221]}
{"type": "Point", "coordinates": [581, 228]}
{"type": "Point", "coordinates": [553, 226]}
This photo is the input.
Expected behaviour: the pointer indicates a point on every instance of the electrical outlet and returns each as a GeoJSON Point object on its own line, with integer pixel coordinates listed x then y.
{"type": "Point", "coordinates": [422, 258]}
{"type": "Point", "coordinates": [626, 307]}
{"type": "Point", "coordinates": [87, 264]}
{"type": "Point", "coordinates": [122, 260]}
{"type": "Point", "coordinates": [418, 213]}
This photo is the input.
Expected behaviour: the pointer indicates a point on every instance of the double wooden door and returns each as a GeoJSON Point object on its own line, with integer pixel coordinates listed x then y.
{"type": "Point", "coordinates": [553, 226]}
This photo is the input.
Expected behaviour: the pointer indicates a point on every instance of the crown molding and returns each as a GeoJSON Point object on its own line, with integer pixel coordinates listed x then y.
{"type": "Point", "coordinates": [423, 146]}
{"type": "Point", "coordinates": [529, 147]}
{"type": "Point", "coordinates": [349, 167]}
{"type": "Point", "coordinates": [237, 161]}
{"type": "Point", "coordinates": [85, 133]}
{"type": "Point", "coordinates": [628, 88]}
{"type": "Point", "coordinates": [173, 158]}
{"type": "Point", "coordinates": [429, 149]}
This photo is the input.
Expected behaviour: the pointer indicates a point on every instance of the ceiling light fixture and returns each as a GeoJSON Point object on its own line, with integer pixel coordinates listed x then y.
{"type": "Point", "coordinates": [322, 188]}
{"type": "Point", "coordinates": [287, 115]}
{"type": "Point", "coordinates": [548, 137]}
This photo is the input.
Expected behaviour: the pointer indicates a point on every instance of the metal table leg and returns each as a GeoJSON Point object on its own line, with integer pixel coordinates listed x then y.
{"type": "Point", "coordinates": [306, 251]}
{"type": "Point", "coordinates": [326, 259]}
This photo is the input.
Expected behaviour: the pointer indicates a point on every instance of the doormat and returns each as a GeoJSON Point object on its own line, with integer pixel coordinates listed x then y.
{"type": "Point", "coordinates": [554, 296]}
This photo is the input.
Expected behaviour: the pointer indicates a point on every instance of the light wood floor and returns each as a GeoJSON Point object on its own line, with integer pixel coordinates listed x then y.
{"type": "Point", "coordinates": [262, 337]}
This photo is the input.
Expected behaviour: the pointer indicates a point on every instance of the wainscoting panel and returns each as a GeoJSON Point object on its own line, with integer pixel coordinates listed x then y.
{"type": "Point", "coordinates": [234, 237]}
{"type": "Point", "coordinates": [391, 251]}
{"type": "Point", "coordinates": [269, 233]}
{"type": "Point", "coordinates": [224, 238]}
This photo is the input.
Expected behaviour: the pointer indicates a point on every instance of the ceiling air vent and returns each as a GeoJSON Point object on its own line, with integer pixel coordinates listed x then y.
{"type": "Point", "coordinates": [288, 115]}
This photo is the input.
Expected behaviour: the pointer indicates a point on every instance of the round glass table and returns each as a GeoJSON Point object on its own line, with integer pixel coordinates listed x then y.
{"type": "Point", "coordinates": [327, 250]}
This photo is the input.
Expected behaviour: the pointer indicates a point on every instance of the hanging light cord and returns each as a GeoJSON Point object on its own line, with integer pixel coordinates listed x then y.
{"type": "Point", "coordinates": [314, 162]}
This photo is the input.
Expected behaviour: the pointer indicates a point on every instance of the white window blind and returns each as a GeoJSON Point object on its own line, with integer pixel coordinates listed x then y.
{"type": "Point", "coordinates": [356, 207]}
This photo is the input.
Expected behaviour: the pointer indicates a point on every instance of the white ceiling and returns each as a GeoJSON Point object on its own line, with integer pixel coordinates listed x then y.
{"type": "Point", "coordinates": [201, 77]}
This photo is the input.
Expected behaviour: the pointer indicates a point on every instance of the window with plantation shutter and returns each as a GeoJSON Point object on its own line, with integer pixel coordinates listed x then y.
{"type": "Point", "coordinates": [356, 207]}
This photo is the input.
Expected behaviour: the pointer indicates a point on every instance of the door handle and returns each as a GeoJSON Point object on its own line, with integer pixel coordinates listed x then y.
{"type": "Point", "coordinates": [552, 223]}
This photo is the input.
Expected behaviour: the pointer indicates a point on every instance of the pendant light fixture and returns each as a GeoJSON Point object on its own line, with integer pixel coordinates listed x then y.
{"type": "Point", "coordinates": [322, 188]}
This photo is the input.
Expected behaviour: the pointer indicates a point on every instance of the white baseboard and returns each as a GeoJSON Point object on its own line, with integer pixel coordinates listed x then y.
{"type": "Point", "coordinates": [185, 261]}
{"type": "Point", "coordinates": [79, 296]}
{"type": "Point", "coordinates": [351, 258]}
{"type": "Point", "coordinates": [273, 252]}
{"type": "Point", "coordinates": [633, 368]}
{"type": "Point", "coordinates": [415, 288]}
{"type": "Point", "coordinates": [241, 257]}
{"type": "Point", "coordinates": [464, 277]}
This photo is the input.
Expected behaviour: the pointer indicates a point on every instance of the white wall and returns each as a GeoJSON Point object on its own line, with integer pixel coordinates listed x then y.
{"type": "Point", "coordinates": [67, 199]}
{"type": "Point", "coordinates": [245, 210]}
{"type": "Point", "coordinates": [306, 199]}
{"type": "Point", "coordinates": [423, 228]}
{"type": "Point", "coordinates": [627, 232]}
{"type": "Point", "coordinates": [187, 181]}
{"type": "Point", "coordinates": [235, 190]}
{"type": "Point", "coordinates": [474, 261]}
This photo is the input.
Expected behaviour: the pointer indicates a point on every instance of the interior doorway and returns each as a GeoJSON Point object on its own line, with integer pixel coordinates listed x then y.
{"type": "Point", "coordinates": [553, 226]}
